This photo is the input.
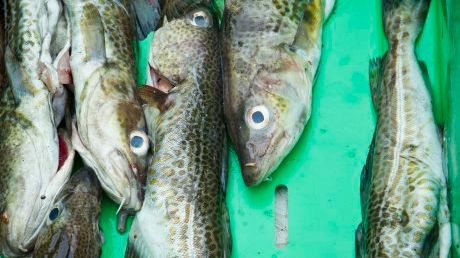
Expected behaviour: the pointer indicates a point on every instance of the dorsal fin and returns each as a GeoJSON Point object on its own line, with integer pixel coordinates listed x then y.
{"type": "Point", "coordinates": [375, 75]}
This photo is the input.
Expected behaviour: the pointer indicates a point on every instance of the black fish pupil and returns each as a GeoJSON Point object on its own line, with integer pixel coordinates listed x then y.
{"type": "Point", "coordinates": [200, 21]}
{"type": "Point", "coordinates": [54, 214]}
{"type": "Point", "coordinates": [257, 117]}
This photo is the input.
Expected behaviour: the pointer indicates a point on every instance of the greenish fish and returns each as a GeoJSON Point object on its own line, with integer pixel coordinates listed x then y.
{"type": "Point", "coordinates": [184, 212]}
{"type": "Point", "coordinates": [403, 185]}
{"type": "Point", "coordinates": [271, 52]}
{"type": "Point", "coordinates": [109, 132]}
{"type": "Point", "coordinates": [36, 158]}
{"type": "Point", "coordinates": [72, 227]}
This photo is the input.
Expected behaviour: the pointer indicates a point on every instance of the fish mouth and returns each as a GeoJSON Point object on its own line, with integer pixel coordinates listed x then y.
{"type": "Point", "coordinates": [157, 80]}
{"type": "Point", "coordinates": [252, 174]}
{"type": "Point", "coordinates": [126, 188]}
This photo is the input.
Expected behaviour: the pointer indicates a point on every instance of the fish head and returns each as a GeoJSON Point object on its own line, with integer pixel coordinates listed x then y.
{"type": "Point", "coordinates": [72, 225]}
{"type": "Point", "coordinates": [116, 146]}
{"type": "Point", "coordinates": [266, 109]}
{"type": "Point", "coordinates": [180, 44]}
{"type": "Point", "coordinates": [30, 198]}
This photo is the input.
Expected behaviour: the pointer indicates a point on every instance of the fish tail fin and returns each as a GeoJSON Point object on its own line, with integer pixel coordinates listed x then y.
{"type": "Point", "coordinates": [135, 243]}
{"type": "Point", "coordinates": [404, 19]}
{"type": "Point", "coordinates": [375, 75]}
{"type": "Point", "coordinates": [359, 243]}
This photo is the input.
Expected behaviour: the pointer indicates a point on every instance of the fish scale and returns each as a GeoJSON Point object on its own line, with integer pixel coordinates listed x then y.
{"type": "Point", "coordinates": [184, 213]}
{"type": "Point", "coordinates": [405, 190]}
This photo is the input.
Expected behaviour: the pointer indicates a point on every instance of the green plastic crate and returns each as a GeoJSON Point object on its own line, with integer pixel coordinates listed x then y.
{"type": "Point", "coordinates": [323, 171]}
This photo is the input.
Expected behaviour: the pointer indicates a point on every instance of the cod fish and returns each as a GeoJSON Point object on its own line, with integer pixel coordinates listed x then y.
{"type": "Point", "coordinates": [403, 185]}
{"type": "Point", "coordinates": [271, 52]}
{"type": "Point", "coordinates": [36, 158]}
{"type": "Point", "coordinates": [109, 132]}
{"type": "Point", "coordinates": [72, 228]}
{"type": "Point", "coordinates": [184, 213]}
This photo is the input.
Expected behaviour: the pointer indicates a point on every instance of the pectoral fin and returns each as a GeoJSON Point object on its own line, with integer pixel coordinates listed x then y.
{"type": "Point", "coordinates": [375, 75]}
{"type": "Point", "coordinates": [153, 97]}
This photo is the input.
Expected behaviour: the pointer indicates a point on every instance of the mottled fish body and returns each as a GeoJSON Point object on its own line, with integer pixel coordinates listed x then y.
{"type": "Point", "coordinates": [72, 227]}
{"type": "Point", "coordinates": [110, 127]}
{"type": "Point", "coordinates": [184, 213]}
{"type": "Point", "coordinates": [271, 52]}
{"type": "Point", "coordinates": [403, 187]}
{"type": "Point", "coordinates": [36, 159]}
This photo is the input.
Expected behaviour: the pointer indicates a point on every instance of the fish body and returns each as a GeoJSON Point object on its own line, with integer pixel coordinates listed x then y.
{"type": "Point", "coordinates": [72, 227]}
{"type": "Point", "coordinates": [271, 52]}
{"type": "Point", "coordinates": [36, 158]}
{"type": "Point", "coordinates": [404, 188]}
{"type": "Point", "coordinates": [110, 132]}
{"type": "Point", "coordinates": [184, 213]}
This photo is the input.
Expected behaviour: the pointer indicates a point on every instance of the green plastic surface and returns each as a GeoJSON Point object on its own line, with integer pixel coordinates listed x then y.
{"type": "Point", "coordinates": [322, 173]}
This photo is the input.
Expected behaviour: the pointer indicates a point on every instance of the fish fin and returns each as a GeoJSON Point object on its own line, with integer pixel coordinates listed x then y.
{"type": "Point", "coordinates": [224, 170]}
{"type": "Point", "coordinates": [136, 246]}
{"type": "Point", "coordinates": [309, 30]}
{"type": "Point", "coordinates": [153, 97]}
{"type": "Point", "coordinates": [426, 76]}
{"type": "Point", "coordinates": [329, 7]}
{"type": "Point", "coordinates": [430, 247]}
{"type": "Point", "coordinates": [227, 235]}
{"type": "Point", "coordinates": [122, 217]}
{"type": "Point", "coordinates": [366, 175]}
{"type": "Point", "coordinates": [93, 39]}
{"type": "Point", "coordinates": [359, 241]}
{"type": "Point", "coordinates": [375, 75]}
{"type": "Point", "coordinates": [445, 234]}
{"type": "Point", "coordinates": [146, 15]}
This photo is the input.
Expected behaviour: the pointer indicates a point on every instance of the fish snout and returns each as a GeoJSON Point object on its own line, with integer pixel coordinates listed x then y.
{"type": "Point", "coordinates": [251, 174]}
{"type": "Point", "coordinates": [126, 182]}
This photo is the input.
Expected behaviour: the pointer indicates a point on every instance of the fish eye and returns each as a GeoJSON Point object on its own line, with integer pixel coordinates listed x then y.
{"type": "Point", "coordinates": [54, 214]}
{"type": "Point", "coordinates": [201, 19]}
{"type": "Point", "coordinates": [258, 117]}
{"type": "Point", "coordinates": [139, 143]}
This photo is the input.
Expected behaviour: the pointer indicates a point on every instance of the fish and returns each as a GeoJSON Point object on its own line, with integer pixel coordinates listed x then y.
{"type": "Point", "coordinates": [109, 125]}
{"type": "Point", "coordinates": [147, 16]}
{"type": "Point", "coordinates": [72, 227]}
{"type": "Point", "coordinates": [403, 185]}
{"type": "Point", "coordinates": [37, 157]}
{"type": "Point", "coordinates": [271, 53]}
{"type": "Point", "coordinates": [184, 212]}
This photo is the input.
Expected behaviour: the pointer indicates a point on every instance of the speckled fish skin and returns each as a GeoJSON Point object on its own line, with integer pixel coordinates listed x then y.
{"type": "Point", "coordinates": [74, 232]}
{"type": "Point", "coordinates": [184, 213]}
{"type": "Point", "coordinates": [108, 113]}
{"type": "Point", "coordinates": [271, 53]}
{"type": "Point", "coordinates": [30, 176]}
{"type": "Point", "coordinates": [404, 188]}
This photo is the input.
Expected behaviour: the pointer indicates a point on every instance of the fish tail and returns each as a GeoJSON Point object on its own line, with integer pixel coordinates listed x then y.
{"type": "Point", "coordinates": [404, 19]}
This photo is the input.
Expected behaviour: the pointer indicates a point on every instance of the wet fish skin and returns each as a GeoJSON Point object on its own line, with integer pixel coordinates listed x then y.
{"type": "Point", "coordinates": [72, 228]}
{"type": "Point", "coordinates": [108, 114]}
{"type": "Point", "coordinates": [271, 52]}
{"type": "Point", "coordinates": [404, 198]}
{"type": "Point", "coordinates": [184, 213]}
{"type": "Point", "coordinates": [36, 159]}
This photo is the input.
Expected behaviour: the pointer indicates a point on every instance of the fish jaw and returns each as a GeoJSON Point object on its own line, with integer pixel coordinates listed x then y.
{"type": "Point", "coordinates": [284, 91]}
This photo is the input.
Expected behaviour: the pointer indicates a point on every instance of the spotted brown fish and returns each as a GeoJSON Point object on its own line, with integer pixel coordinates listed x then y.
{"type": "Point", "coordinates": [271, 51]}
{"type": "Point", "coordinates": [72, 227]}
{"type": "Point", "coordinates": [36, 158]}
{"type": "Point", "coordinates": [403, 186]}
{"type": "Point", "coordinates": [184, 213]}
